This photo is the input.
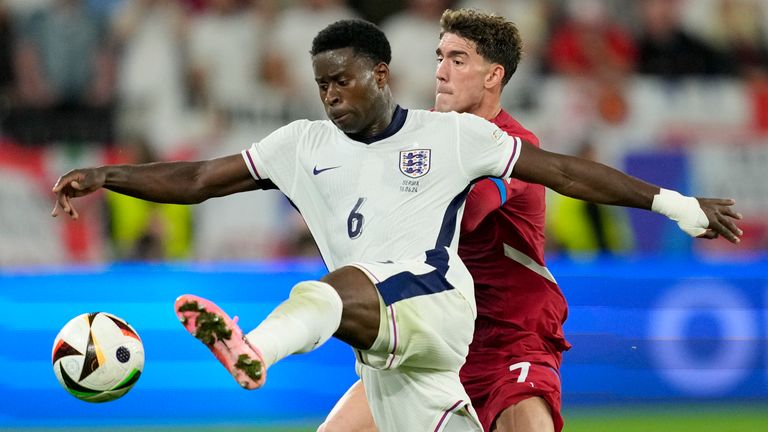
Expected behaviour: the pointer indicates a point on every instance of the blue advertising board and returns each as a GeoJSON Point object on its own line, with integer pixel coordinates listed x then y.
{"type": "Point", "coordinates": [642, 330]}
{"type": "Point", "coordinates": [673, 329]}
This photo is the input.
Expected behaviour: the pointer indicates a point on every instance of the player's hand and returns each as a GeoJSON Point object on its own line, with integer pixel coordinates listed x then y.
{"type": "Point", "coordinates": [722, 217]}
{"type": "Point", "coordinates": [73, 184]}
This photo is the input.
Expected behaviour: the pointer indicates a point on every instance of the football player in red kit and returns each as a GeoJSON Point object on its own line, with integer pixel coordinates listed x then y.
{"type": "Point", "coordinates": [512, 370]}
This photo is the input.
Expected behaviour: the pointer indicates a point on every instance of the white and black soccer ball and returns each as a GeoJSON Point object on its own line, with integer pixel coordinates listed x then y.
{"type": "Point", "coordinates": [97, 357]}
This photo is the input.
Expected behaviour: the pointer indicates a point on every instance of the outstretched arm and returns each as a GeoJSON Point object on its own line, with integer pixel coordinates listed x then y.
{"type": "Point", "coordinates": [163, 182]}
{"type": "Point", "coordinates": [591, 181]}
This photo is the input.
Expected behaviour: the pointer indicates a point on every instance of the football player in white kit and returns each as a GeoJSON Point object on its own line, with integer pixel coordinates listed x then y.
{"type": "Point", "coordinates": [381, 189]}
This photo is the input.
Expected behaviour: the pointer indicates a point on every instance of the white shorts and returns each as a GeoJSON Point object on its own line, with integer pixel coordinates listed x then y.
{"type": "Point", "coordinates": [411, 373]}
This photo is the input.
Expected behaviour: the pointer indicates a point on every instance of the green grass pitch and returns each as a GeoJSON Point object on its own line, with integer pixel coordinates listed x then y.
{"type": "Point", "coordinates": [670, 418]}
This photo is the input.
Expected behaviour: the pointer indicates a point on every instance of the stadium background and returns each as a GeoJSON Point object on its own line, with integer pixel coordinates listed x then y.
{"type": "Point", "coordinates": [664, 329]}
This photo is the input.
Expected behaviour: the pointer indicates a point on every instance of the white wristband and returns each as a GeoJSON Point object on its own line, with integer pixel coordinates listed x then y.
{"type": "Point", "coordinates": [682, 209]}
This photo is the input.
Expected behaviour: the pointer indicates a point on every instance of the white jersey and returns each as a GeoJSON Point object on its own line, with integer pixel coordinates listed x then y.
{"type": "Point", "coordinates": [393, 198]}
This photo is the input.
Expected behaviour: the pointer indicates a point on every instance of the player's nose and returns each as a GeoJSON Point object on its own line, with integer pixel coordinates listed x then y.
{"type": "Point", "coordinates": [332, 96]}
{"type": "Point", "coordinates": [441, 72]}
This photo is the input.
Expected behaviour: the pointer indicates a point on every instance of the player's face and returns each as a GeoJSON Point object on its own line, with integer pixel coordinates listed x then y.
{"type": "Point", "coordinates": [349, 89]}
{"type": "Point", "coordinates": [461, 75]}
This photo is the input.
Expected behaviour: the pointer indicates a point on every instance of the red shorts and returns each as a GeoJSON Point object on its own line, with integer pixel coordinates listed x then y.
{"type": "Point", "coordinates": [498, 385]}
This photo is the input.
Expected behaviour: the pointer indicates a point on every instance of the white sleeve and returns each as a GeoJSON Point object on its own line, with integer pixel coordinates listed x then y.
{"type": "Point", "coordinates": [275, 157]}
{"type": "Point", "coordinates": [484, 149]}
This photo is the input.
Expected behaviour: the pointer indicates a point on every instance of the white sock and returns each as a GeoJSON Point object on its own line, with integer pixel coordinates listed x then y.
{"type": "Point", "coordinates": [303, 322]}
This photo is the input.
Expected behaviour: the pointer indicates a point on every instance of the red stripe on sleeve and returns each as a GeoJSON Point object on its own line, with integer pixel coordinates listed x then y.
{"type": "Point", "coordinates": [507, 172]}
{"type": "Point", "coordinates": [253, 165]}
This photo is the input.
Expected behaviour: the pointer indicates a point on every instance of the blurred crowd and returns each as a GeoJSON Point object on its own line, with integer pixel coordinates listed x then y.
{"type": "Point", "coordinates": [173, 79]}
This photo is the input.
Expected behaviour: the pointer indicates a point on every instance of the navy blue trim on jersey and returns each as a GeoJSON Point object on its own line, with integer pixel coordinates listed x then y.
{"type": "Point", "coordinates": [398, 120]}
{"type": "Point", "coordinates": [438, 258]}
{"type": "Point", "coordinates": [448, 229]}
{"type": "Point", "coordinates": [407, 285]}
{"type": "Point", "coordinates": [502, 189]}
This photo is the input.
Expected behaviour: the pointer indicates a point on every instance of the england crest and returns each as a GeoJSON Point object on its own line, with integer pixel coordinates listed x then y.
{"type": "Point", "coordinates": [415, 163]}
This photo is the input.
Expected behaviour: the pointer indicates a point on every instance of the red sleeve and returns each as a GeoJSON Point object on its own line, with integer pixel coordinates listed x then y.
{"type": "Point", "coordinates": [484, 198]}
{"type": "Point", "coordinates": [489, 194]}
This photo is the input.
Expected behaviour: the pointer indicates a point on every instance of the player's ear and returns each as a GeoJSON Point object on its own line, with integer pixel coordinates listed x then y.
{"type": "Point", "coordinates": [495, 75]}
{"type": "Point", "coordinates": [381, 74]}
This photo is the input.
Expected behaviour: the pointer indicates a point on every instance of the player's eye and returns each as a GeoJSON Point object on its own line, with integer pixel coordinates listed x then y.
{"type": "Point", "coordinates": [439, 59]}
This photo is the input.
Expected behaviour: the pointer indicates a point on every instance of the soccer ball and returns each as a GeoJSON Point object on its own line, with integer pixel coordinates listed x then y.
{"type": "Point", "coordinates": [97, 357]}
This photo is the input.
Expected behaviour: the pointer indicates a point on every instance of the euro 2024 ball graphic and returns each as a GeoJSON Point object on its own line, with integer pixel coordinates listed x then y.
{"type": "Point", "coordinates": [97, 357]}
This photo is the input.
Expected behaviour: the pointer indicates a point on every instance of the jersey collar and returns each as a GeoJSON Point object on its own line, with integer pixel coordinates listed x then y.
{"type": "Point", "coordinates": [398, 120]}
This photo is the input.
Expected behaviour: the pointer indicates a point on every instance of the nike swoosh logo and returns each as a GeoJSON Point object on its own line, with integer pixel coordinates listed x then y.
{"type": "Point", "coordinates": [316, 171]}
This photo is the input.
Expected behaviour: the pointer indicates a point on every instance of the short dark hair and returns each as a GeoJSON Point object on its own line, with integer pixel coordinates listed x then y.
{"type": "Point", "coordinates": [365, 38]}
{"type": "Point", "coordinates": [497, 39]}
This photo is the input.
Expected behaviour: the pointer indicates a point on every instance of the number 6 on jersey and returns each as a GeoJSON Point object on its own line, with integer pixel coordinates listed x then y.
{"type": "Point", "coordinates": [355, 220]}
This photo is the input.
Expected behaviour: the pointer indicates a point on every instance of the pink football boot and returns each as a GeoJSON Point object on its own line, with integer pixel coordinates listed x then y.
{"type": "Point", "coordinates": [221, 334]}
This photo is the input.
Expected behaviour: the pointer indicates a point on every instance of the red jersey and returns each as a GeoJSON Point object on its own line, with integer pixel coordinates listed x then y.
{"type": "Point", "coordinates": [520, 308]}
{"type": "Point", "coordinates": [510, 293]}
